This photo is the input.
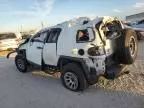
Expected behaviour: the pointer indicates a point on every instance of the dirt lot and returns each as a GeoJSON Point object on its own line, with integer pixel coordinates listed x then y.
{"type": "Point", "coordinates": [40, 90]}
{"type": "Point", "coordinates": [4, 53]}
{"type": "Point", "coordinates": [132, 82]}
{"type": "Point", "coordinates": [28, 90]}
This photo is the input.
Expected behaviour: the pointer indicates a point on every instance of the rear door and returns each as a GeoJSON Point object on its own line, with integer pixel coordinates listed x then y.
{"type": "Point", "coordinates": [50, 48]}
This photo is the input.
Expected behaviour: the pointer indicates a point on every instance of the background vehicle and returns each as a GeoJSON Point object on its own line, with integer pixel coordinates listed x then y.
{"type": "Point", "coordinates": [9, 40]}
{"type": "Point", "coordinates": [139, 24]}
{"type": "Point", "coordinates": [81, 49]}
{"type": "Point", "coordinates": [139, 29]}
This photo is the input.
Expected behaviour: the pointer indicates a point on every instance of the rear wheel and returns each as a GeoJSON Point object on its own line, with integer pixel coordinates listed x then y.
{"type": "Point", "coordinates": [73, 78]}
{"type": "Point", "coordinates": [21, 63]}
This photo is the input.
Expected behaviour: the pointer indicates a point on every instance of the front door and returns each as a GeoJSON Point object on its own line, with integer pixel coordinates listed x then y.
{"type": "Point", "coordinates": [35, 48]}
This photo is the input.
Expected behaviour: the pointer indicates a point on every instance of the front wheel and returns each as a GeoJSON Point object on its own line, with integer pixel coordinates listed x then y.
{"type": "Point", "coordinates": [21, 63]}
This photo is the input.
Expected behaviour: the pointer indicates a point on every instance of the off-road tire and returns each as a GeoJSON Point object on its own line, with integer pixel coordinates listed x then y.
{"type": "Point", "coordinates": [75, 69]}
{"type": "Point", "coordinates": [21, 63]}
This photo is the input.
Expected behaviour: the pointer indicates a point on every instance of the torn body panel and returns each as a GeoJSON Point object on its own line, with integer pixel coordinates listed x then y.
{"type": "Point", "coordinates": [98, 63]}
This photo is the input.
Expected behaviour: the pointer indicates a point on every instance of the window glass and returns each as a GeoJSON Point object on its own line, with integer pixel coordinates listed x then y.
{"type": "Point", "coordinates": [40, 37]}
{"type": "Point", "coordinates": [54, 35]}
{"type": "Point", "coordinates": [43, 36]}
{"type": "Point", "coordinates": [82, 36]}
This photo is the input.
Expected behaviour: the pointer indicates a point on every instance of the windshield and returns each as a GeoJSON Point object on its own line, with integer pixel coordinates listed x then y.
{"type": "Point", "coordinates": [7, 36]}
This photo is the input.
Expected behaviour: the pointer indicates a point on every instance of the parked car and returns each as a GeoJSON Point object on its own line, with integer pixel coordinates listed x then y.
{"type": "Point", "coordinates": [139, 31]}
{"type": "Point", "coordinates": [139, 24]}
{"type": "Point", "coordinates": [9, 41]}
{"type": "Point", "coordinates": [81, 49]}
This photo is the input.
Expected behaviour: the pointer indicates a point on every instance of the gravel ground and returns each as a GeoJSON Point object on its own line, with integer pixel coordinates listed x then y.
{"type": "Point", "coordinates": [19, 90]}
{"type": "Point", "coordinates": [131, 82]}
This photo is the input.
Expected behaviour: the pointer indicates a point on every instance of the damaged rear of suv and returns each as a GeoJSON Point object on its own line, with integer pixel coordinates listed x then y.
{"type": "Point", "coordinates": [81, 49]}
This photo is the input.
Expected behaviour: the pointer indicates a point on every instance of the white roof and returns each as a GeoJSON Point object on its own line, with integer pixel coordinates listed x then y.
{"type": "Point", "coordinates": [79, 21]}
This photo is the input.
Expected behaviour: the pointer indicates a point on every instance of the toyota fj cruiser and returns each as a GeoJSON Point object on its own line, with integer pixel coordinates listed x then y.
{"type": "Point", "coordinates": [81, 49]}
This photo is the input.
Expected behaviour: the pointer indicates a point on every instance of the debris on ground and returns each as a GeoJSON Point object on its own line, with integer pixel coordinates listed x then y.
{"type": "Point", "coordinates": [130, 82]}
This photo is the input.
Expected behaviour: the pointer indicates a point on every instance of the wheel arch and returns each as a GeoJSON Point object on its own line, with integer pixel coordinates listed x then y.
{"type": "Point", "coordinates": [64, 60]}
{"type": "Point", "coordinates": [22, 52]}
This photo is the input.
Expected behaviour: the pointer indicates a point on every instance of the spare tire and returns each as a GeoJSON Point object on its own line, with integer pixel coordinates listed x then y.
{"type": "Point", "coordinates": [127, 47]}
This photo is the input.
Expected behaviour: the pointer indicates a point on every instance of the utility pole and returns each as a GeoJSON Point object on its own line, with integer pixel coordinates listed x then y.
{"type": "Point", "coordinates": [42, 25]}
{"type": "Point", "coordinates": [21, 29]}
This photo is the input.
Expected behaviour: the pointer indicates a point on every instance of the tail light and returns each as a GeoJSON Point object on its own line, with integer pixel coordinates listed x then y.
{"type": "Point", "coordinates": [93, 51]}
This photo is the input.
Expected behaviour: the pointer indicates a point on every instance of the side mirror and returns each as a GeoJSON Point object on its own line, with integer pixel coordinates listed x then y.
{"type": "Point", "coordinates": [32, 40]}
{"type": "Point", "coordinates": [91, 33]}
{"type": "Point", "coordinates": [26, 40]}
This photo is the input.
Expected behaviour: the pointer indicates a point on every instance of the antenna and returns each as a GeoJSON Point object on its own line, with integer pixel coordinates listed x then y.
{"type": "Point", "coordinates": [21, 28]}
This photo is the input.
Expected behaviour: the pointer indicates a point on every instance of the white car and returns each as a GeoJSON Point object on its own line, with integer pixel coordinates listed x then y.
{"type": "Point", "coordinates": [81, 49]}
{"type": "Point", "coordinates": [139, 28]}
{"type": "Point", "coordinates": [9, 41]}
{"type": "Point", "coordinates": [139, 24]}
{"type": "Point", "coordinates": [139, 31]}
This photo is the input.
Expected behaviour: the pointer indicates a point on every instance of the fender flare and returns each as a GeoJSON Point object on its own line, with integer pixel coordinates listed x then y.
{"type": "Point", "coordinates": [90, 76]}
{"type": "Point", "coordinates": [19, 51]}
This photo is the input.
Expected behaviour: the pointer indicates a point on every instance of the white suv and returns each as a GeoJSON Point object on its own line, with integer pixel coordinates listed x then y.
{"type": "Point", "coordinates": [81, 49]}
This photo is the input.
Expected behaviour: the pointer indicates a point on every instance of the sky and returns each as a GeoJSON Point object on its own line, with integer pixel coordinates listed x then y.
{"type": "Point", "coordinates": [28, 14]}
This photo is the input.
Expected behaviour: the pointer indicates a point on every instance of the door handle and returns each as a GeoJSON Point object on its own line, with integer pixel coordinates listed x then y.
{"type": "Point", "coordinates": [39, 47]}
